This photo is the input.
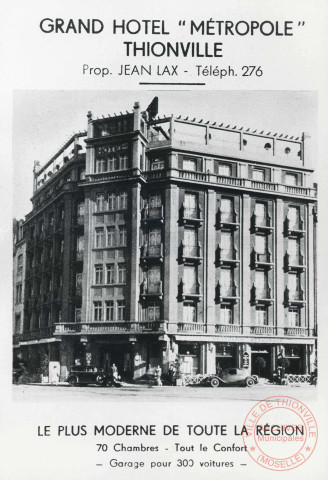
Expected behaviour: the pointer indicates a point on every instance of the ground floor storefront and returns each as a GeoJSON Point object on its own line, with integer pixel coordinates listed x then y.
{"type": "Point", "coordinates": [137, 356]}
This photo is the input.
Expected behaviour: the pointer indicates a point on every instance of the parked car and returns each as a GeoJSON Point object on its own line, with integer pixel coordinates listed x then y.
{"type": "Point", "coordinates": [89, 375]}
{"type": "Point", "coordinates": [232, 376]}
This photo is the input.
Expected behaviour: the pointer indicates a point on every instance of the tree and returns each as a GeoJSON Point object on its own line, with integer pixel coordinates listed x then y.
{"type": "Point", "coordinates": [260, 364]}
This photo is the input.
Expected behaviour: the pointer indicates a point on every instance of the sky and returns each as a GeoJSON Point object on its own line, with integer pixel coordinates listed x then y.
{"type": "Point", "coordinates": [44, 120]}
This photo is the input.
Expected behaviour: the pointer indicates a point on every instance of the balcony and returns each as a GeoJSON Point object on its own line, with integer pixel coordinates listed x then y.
{"type": "Point", "coordinates": [294, 262]}
{"type": "Point", "coordinates": [227, 328]}
{"type": "Point", "coordinates": [188, 327]}
{"type": "Point", "coordinates": [191, 215]}
{"type": "Point", "coordinates": [149, 290]}
{"type": "Point", "coordinates": [227, 256]}
{"type": "Point", "coordinates": [100, 328]}
{"type": "Point", "coordinates": [261, 295]}
{"type": "Point", "coordinates": [227, 293]}
{"type": "Point", "coordinates": [152, 252]}
{"type": "Point", "coordinates": [299, 332]}
{"type": "Point", "coordinates": [261, 224]}
{"type": "Point", "coordinates": [190, 253]}
{"type": "Point", "coordinates": [227, 220]}
{"type": "Point", "coordinates": [263, 260]}
{"type": "Point", "coordinates": [294, 227]}
{"type": "Point", "coordinates": [262, 330]}
{"type": "Point", "coordinates": [192, 292]}
{"type": "Point", "coordinates": [152, 214]}
{"type": "Point", "coordinates": [36, 334]}
{"type": "Point", "coordinates": [294, 297]}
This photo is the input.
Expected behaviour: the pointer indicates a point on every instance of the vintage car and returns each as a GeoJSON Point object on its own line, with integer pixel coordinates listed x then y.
{"type": "Point", "coordinates": [89, 375]}
{"type": "Point", "coordinates": [232, 376]}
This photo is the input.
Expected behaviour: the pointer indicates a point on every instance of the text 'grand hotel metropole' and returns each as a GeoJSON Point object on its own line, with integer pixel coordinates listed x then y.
{"type": "Point", "coordinates": [155, 237]}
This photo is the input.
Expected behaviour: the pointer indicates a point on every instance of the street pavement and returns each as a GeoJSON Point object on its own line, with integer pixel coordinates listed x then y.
{"type": "Point", "coordinates": [147, 393]}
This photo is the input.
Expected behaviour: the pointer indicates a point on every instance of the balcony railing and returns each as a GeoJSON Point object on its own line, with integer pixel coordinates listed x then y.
{"type": "Point", "coordinates": [263, 223]}
{"type": "Point", "coordinates": [224, 328]}
{"type": "Point", "coordinates": [153, 213]}
{"type": "Point", "coordinates": [191, 215]}
{"type": "Point", "coordinates": [190, 252]}
{"type": "Point", "coordinates": [189, 291]}
{"type": "Point", "coordinates": [262, 330]}
{"type": "Point", "coordinates": [296, 331]}
{"type": "Point", "coordinates": [108, 327]}
{"type": "Point", "coordinates": [227, 255]}
{"type": "Point", "coordinates": [194, 327]}
{"type": "Point", "coordinates": [261, 259]}
{"type": "Point", "coordinates": [227, 219]}
{"type": "Point", "coordinates": [227, 292]}
{"type": "Point", "coordinates": [151, 289]}
{"type": "Point", "coordinates": [294, 262]}
{"type": "Point", "coordinates": [294, 296]}
{"type": "Point", "coordinates": [261, 295]}
{"type": "Point", "coordinates": [294, 227]}
{"type": "Point", "coordinates": [152, 251]}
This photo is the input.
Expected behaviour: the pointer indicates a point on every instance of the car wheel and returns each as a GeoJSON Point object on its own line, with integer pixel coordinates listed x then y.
{"type": "Point", "coordinates": [107, 382]}
{"type": "Point", "coordinates": [73, 381]}
{"type": "Point", "coordinates": [215, 382]}
{"type": "Point", "coordinates": [100, 379]}
{"type": "Point", "coordinates": [250, 382]}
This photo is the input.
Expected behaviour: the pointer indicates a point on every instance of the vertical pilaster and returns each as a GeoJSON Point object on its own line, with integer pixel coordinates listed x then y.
{"type": "Point", "coordinates": [134, 242]}
{"type": "Point", "coordinates": [245, 259]}
{"type": "Point", "coordinates": [171, 253]}
{"type": "Point", "coordinates": [209, 261]}
{"type": "Point", "coordinates": [310, 294]}
{"type": "Point", "coordinates": [279, 321]}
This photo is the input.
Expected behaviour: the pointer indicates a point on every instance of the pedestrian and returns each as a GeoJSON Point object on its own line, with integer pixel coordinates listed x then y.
{"type": "Point", "coordinates": [158, 375]}
{"type": "Point", "coordinates": [171, 374]}
{"type": "Point", "coordinates": [55, 376]}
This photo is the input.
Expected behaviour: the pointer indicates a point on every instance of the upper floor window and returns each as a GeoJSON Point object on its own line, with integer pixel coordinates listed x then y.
{"type": "Point", "coordinates": [226, 314]}
{"type": "Point", "coordinates": [80, 209]}
{"type": "Point", "coordinates": [189, 164]}
{"type": "Point", "coordinates": [110, 273]}
{"type": "Point", "coordinates": [97, 311]}
{"type": "Point", "coordinates": [100, 202]}
{"type": "Point", "coordinates": [225, 169]}
{"type": "Point", "coordinates": [110, 236]}
{"type": "Point", "coordinates": [190, 205]}
{"type": "Point", "coordinates": [261, 244]}
{"type": "Point", "coordinates": [291, 179]}
{"type": "Point", "coordinates": [122, 236]}
{"type": "Point", "coordinates": [258, 174]}
{"type": "Point", "coordinates": [99, 240]}
{"type": "Point", "coordinates": [294, 216]}
{"type": "Point", "coordinates": [122, 273]}
{"type": "Point", "coordinates": [111, 201]}
{"type": "Point", "coordinates": [227, 209]}
{"type": "Point", "coordinates": [121, 310]}
{"type": "Point", "coordinates": [261, 315]}
{"type": "Point", "coordinates": [157, 164]}
{"type": "Point", "coordinates": [189, 312]}
{"type": "Point", "coordinates": [226, 281]}
{"type": "Point", "coordinates": [122, 201]}
{"type": "Point", "coordinates": [98, 274]}
{"type": "Point", "coordinates": [260, 280]}
{"type": "Point", "coordinates": [153, 312]}
{"type": "Point", "coordinates": [294, 319]}
{"type": "Point", "coordinates": [109, 311]}
{"type": "Point", "coordinates": [19, 264]}
{"type": "Point", "coordinates": [260, 210]}
{"type": "Point", "coordinates": [190, 279]}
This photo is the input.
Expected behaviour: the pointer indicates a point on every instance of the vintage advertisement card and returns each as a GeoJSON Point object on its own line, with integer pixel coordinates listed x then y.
{"type": "Point", "coordinates": [163, 231]}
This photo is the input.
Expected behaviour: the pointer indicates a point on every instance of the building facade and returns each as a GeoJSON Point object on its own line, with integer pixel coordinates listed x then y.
{"type": "Point", "coordinates": [155, 237]}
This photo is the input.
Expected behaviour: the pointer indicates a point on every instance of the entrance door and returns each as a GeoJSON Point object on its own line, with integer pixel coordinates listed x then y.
{"type": "Point", "coordinates": [261, 361]}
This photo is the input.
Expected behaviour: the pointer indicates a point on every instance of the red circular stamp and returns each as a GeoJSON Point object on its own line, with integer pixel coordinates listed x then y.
{"type": "Point", "coordinates": [280, 433]}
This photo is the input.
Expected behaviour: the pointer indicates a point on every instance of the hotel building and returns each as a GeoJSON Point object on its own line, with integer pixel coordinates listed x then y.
{"type": "Point", "coordinates": [155, 237]}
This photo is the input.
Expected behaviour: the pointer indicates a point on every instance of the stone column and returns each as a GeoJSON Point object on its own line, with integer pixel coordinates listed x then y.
{"type": "Point", "coordinates": [245, 290]}
{"type": "Point", "coordinates": [209, 262]}
{"type": "Point", "coordinates": [279, 244]}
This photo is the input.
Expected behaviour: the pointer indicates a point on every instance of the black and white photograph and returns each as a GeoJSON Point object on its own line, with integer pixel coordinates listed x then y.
{"type": "Point", "coordinates": [165, 249]}
{"type": "Point", "coordinates": [163, 240]}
